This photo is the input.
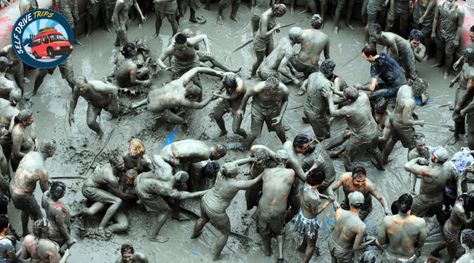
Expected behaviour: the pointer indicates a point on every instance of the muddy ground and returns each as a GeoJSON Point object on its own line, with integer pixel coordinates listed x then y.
{"type": "Point", "coordinates": [78, 145]}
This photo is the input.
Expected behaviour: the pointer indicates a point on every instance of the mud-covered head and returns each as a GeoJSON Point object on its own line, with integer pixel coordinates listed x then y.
{"type": "Point", "coordinates": [317, 21]}
{"type": "Point", "coordinates": [327, 67]}
{"type": "Point", "coordinates": [130, 177]}
{"type": "Point", "coordinates": [302, 143]}
{"type": "Point", "coordinates": [439, 155]}
{"type": "Point", "coordinates": [5, 63]}
{"type": "Point", "coordinates": [14, 96]}
{"type": "Point", "coordinates": [24, 117]}
{"type": "Point", "coordinates": [192, 92]}
{"type": "Point", "coordinates": [136, 148]}
{"type": "Point", "coordinates": [180, 41]}
{"type": "Point", "coordinates": [211, 169]}
{"type": "Point", "coordinates": [278, 10]}
{"type": "Point", "coordinates": [218, 151]}
{"type": "Point", "coordinates": [129, 50]}
{"type": "Point", "coordinates": [41, 228]}
{"type": "Point", "coordinates": [467, 238]}
{"type": "Point", "coordinates": [469, 55]}
{"type": "Point", "coordinates": [356, 199]}
{"type": "Point", "coordinates": [57, 190]}
{"type": "Point", "coordinates": [416, 37]}
{"type": "Point", "coordinates": [181, 176]}
{"type": "Point", "coordinates": [116, 161]}
{"type": "Point", "coordinates": [359, 176]}
{"type": "Point", "coordinates": [404, 204]}
{"type": "Point", "coordinates": [261, 154]}
{"type": "Point", "coordinates": [369, 52]}
{"type": "Point", "coordinates": [369, 256]}
{"type": "Point", "coordinates": [281, 157]}
{"type": "Point", "coordinates": [272, 83]}
{"type": "Point", "coordinates": [315, 177]}
{"type": "Point", "coordinates": [229, 80]}
{"type": "Point", "coordinates": [4, 200]}
{"type": "Point", "coordinates": [420, 145]}
{"type": "Point", "coordinates": [127, 251]}
{"type": "Point", "coordinates": [375, 31]}
{"type": "Point", "coordinates": [351, 94]}
{"type": "Point", "coordinates": [48, 148]}
{"type": "Point", "coordinates": [419, 86]}
{"type": "Point", "coordinates": [230, 170]}
{"type": "Point", "coordinates": [187, 32]}
{"type": "Point", "coordinates": [295, 35]}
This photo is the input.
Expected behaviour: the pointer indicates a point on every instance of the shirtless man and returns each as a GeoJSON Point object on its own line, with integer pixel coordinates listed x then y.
{"type": "Point", "coordinates": [403, 233]}
{"type": "Point", "coordinates": [151, 191]}
{"type": "Point", "coordinates": [399, 47]}
{"type": "Point", "coordinates": [235, 89]}
{"type": "Point", "coordinates": [361, 123]}
{"type": "Point", "coordinates": [357, 181]}
{"type": "Point", "coordinates": [467, 242]}
{"type": "Point", "coordinates": [8, 88]}
{"type": "Point", "coordinates": [21, 142]}
{"type": "Point", "coordinates": [306, 222]}
{"type": "Point", "coordinates": [313, 42]}
{"type": "Point", "coordinates": [66, 70]}
{"type": "Point", "coordinates": [327, 68]}
{"type": "Point", "coordinates": [278, 64]}
{"type": "Point", "coordinates": [120, 19]}
{"type": "Point", "coordinates": [349, 231]}
{"type": "Point", "coordinates": [272, 206]}
{"type": "Point", "coordinates": [70, 10]}
{"type": "Point", "coordinates": [215, 202]}
{"type": "Point", "coordinates": [402, 122]}
{"type": "Point", "coordinates": [128, 255]}
{"type": "Point", "coordinates": [450, 18]}
{"type": "Point", "coordinates": [419, 50]}
{"type": "Point", "coordinates": [126, 71]}
{"type": "Point", "coordinates": [233, 13]}
{"type": "Point", "coordinates": [423, 15]}
{"type": "Point", "coordinates": [258, 8]}
{"type": "Point", "coordinates": [99, 95]}
{"type": "Point", "coordinates": [16, 68]}
{"type": "Point", "coordinates": [263, 40]}
{"type": "Point", "coordinates": [7, 243]}
{"type": "Point", "coordinates": [136, 158]}
{"type": "Point", "coordinates": [435, 175]}
{"type": "Point", "coordinates": [26, 5]}
{"type": "Point", "coordinates": [175, 95]}
{"type": "Point", "coordinates": [31, 170]}
{"type": "Point", "coordinates": [420, 150]}
{"type": "Point", "coordinates": [270, 99]}
{"type": "Point", "coordinates": [168, 9]}
{"type": "Point", "coordinates": [38, 248]}
{"type": "Point", "coordinates": [57, 214]}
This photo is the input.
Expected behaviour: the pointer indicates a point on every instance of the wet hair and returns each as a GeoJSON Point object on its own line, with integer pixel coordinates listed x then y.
{"type": "Point", "coordinates": [419, 86]}
{"type": "Point", "coordinates": [40, 227]}
{"type": "Point", "coordinates": [128, 50]}
{"type": "Point", "coordinates": [230, 81]}
{"type": "Point", "coordinates": [279, 9]}
{"type": "Point", "coordinates": [4, 200]}
{"type": "Point", "coordinates": [351, 93]}
{"type": "Point", "coordinates": [219, 151]}
{"type": "Point", "coordinates": [369, 256]}
{"type": "Point", "coordinates": [272, 82]}
{"type": "Point", "coordinates": [471, 29]}
{"type": "Point", "coordinates": [262, 154]}
{"type": "Point", "coordinates": [416, 34]}
{"type": "Point", "coordinates": [115, 158]}
{"type": "Point", "coordinates": [193, 91]}
{"type": "Point", "coordinates": [211, 169]}
{"type": "Point", "coordinates": [181, 176]}
{"type": "Point", "coordinates": [327, 66]}
{"type": "Point", "coordinates": [23, 115]}
{"type": "Point", "coordinates": [404, 203]}
{"type": "Point", "coordinates": [432, 259]}
{"type": "Point", "coordinates": [180, 39]}
{"type": "Point", "coordinates": [395, 207]}
{"type": "Point", "coordinates": [301, 140]}
{"type": "Point", "coordinates": [48, 147]}
{"type": "Point", "coordinates": [137, 145]}
{"type": "Point", "coordinates": [127, 248]}
{"type": "Point", "coordinates": [57, 190]}
{"type": "Point", "coordinates": [230, 169]}
{"type": "Point", "coordinates": [467, 238]}
{"type": "Point", "coordinates": [316, 176]}
{"type": "Point", "coordinates": [375, 29]}
{"type": "Point", "coordinates": [468, 54]}
{"type": "Point", "coordinates": [369, 50]}
{"type": "Point", "coordinates": [381, 105]}
{"type": "Point", "coordinates": [316, 21]}
{"type": "Point", "coordinates": [4, 222]}
{"type": "Point", "coordinates": [358, 171]}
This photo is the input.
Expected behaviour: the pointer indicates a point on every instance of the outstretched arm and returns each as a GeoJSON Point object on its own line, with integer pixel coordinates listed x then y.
{"type": "Point", "coordinates": [188, 76]}
{"type": "Point", "coordinates": [380, 198]}
{"type": "Point", "coordinates": [413, 167]}
{"type": "Point", "coordinates": [244, 184]}
{"type": "Point", "coordinates": [168, 52]}
{"type": "Point", "coordinates": [196, 39]}
{"type": "Point", "coordinates": [333, 187]}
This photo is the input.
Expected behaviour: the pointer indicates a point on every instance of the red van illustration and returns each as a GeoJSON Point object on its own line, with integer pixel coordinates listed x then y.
{"type": "Point", "coordinates": [49, 42]}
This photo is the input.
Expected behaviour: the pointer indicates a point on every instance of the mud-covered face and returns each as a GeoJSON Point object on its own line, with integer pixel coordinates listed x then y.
{"type": "Point", "coordinates": [414, 43]}
{"type": "Point", "coordinates": [180, 47]}
{"type": "Point", "coordinates": [134, 152]}
{"type": "Point", "coordinates": [359, 181]}
{"type": "Point", "coordinates": [127, 257]}
{"type": "Point", "coordinates": [28, 121]}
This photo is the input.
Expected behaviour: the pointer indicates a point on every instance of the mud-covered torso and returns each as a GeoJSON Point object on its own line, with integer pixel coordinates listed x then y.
{"type": "Point", "coordinates": [315, 102]}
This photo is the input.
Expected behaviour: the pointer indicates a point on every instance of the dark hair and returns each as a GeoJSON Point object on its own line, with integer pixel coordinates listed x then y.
{"type": "Point", "coordinates": [327, 66]}
{"type": "Point", "coordinates": [57, 189]}
{"type": "Point", "coordinates": [358, 171]}
{"type": "Point", "coordinates": [127, 248]}
{"type": "Point", "coordinates": [375, 28]}
{"type": "Point", "coordinates": [279, 8]}
{"type": "Point", "coordinates": [351, 93]}
{"type": "Point", "coordinates": [316, 21]}
{"type": "Point", "coordinates": [380, 105]}
{"type": "Point", "coordinates": [416, 34]}
{"type": "Point", "coordinates": [272, 82]}
{"type": "Point", "coordinates": [40, 227]}
{"type": "Point", "coordinates": [395, 208]}
{"type": "Point", "coordinates": [301, 140]}
{"type": "Point", "coordinates": [432, 259]}
{"type": "Point", "coordinates": [472, 29]}
{"type": "Point", "coordinates": [128, 50]}
{"type": "Point", "coordinates": [229, 80]}
{"type": "Point", "coordinates": [115, 158]}
{"type": "Point", "coordinates": [48, 146]}
{"type": "Point", "coordinates": [211, 169]}
{"type": "Point", "coordinates": [4, 200]}
{"type": "Point", "coordinates": [316, 176]}
{"type": "Point", "coordinates": [367, 257]}
{"type": "Point", "coordinates": [180, 38]}
{"type": "Point", "coordinates": [369, 50]}
{"type": "Point", "coordinates": [468, 53]}
{"type": "Point", "coordinates": [3, 222]}
{"type": "Point", "coordinates": [404, 202]}
{"type": "Point", "coordinates": [467, 238]}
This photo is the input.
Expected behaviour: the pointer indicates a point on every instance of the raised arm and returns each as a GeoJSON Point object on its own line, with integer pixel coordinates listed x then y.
{"type": "Point", "coordinates": [201, 37]}
{"type": "Point", "coordinates": [188, 76]}
{"type": "Point", "coordinates": [413, 167]}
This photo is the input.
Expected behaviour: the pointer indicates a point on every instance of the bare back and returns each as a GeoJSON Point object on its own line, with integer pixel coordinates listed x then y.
{"type": "Point", "coordinates": [277, 183]}
{"type": "Point", "coordinates": [169, 96]}
{"type": "Point", "coordinates": [314, 42]}
{"type": "Point", "coordinates": [403, 234]}
{"type": "Point", "coordinates": [405, 103]}
{"type": "Point", "coordinates": [346, 227]}
{"type": "Point", "coordinates": [30, 170]}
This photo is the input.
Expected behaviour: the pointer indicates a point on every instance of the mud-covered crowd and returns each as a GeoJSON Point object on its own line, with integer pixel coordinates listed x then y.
{"type": "Point", "coordinates": [291, 185]}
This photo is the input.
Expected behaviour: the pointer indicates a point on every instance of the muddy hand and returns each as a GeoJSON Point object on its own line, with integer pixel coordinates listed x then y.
{"type": "Point", "coordinates": [276, 120]}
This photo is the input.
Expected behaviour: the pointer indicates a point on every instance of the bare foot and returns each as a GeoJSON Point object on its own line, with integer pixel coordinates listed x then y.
{"type": "Point", "coordinates": [220, 20]}
{"type": "Point", "coordinates": [235, 19]}
{"type": "Point", "coordinates": [437, 65]}
{"type": "Point", "coordinates": [446, 74]}
{"type": "Point", "coordinates": [159, 239]}
{"type": "Point", "coordinates": [223, 133]}
{"type": "Point", "coordinates": [336, 29]}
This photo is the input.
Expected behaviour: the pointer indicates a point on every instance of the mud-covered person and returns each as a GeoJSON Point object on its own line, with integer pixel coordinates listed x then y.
{"type": "Point", "coordinates": [215, 202]}
{"type": "Point", "coordinates": [306, 221]}
{"type": "Point", "coordinates": [58, 215]}
{"type": "Point", "coordinates": [419, 49]}
{"type": "Point", "coordinates": [67, 72]}
{"type": "Point", "coordinates": [8, 88]}
{"type": "Point", "coordinates": [129, 255]}
{"type": "Point", "coordinates": [403, 233]}
{"type": "Point", "coordinates": [31, 170]}
{"type": "Point", "coordinates": [467, 242]}
{"type": "Point", "coordinates": [168, 9]}
{"type": "Point", "coordinates": [126, 70]}
{"type": "Point", "coordinates": [258, 7]}
{"type": "Point", "coordinates": [16, 68]}
{"type": "Point", "coordinates": [135, 158]}
{"type": "Point", "coordinates": [420, 150]}
{"type": "Point", "coordinates": [7, 243]}
{"type": "Point", "coordinates": [349, 232]}
{"type": "Point", "coordinates": [235, 4]}
{"type": "Point", "coordinates": [120, 19]}
{"type": "Point", "coordinates": [99, 95]}
{"type": "Point", "coordinates": [70, 10]}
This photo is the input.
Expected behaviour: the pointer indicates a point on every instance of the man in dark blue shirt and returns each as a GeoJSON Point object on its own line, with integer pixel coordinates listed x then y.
{"type": "Point", "coordinates": [386, 75]}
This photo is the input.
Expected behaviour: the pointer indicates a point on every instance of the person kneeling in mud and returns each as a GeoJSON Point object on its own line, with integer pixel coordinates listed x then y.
{"type": "Point", "coordinates": [127, 73]}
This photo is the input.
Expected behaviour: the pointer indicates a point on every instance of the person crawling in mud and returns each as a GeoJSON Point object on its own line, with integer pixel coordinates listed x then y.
{"type": "Point", "coordinates": [31, 170]}
{"type": "Point", "coordinates": [99, 95]}
{"type": "Point", "coordinates": [8, 88]}
{"type": "Point", "coordinates": [22, 143]}
{"type": "Point", "coordinates": [175, 95]}
{"type": "Point", "coordinates": [215, 202]}
{"type": "Point", "coordinates": [136, 158]}
{"type": "Point", "coordinates": [127, 73]}
{"type": "Point", "coordinates": [129, 255]}
{"type": "Point", "coordinates": [57, 214]}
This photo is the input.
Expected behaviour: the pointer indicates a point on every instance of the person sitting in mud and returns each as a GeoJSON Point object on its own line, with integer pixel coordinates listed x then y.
{"type": "Point", "coordinates": [277, 63]}
{"type": "Point", "coordinates": [272, 206]}
{"type": "Point", "coordinates": [152, 190]}
{"type": "Point", "coordinates": [66, 70]}
{"type": "Point", "coordinates": [135, 158]}
{"type": "Point", "coordinates": [419, 50]}
{"type": "Point", "coordinates": [8, 88]}
{"type": "Point", "coordinates": [16, 69]}
{"type": "Point", "coordinates": [126, 71]}
{"type": "Point", "coordinates": [349, 231]}
{"type": "Point", "coordinates": [31, 170]}
{"type": "Point", "coordinates": [357, 181]}
{"type": "Point", "coordinates": [403, 233]}
{"type": "Point", "coordinates": [175, 95]}
{"type": "Point", "coordinates": [99, 95]}
{"type": "Point", "coordinates": [39, 248]}
{"type": "Point", "coordinates": [306, 221]}
{"type": "Point", "coordinates": [215, 202]}
{"type": "Point", "coordinates": [57, 214]}
{"type": "Point", "coordinates": [147, 66]}
{"type": "Point", "coordinates": [102, 188]}
{"type": "Point", "coordinates": [129, 255]}
{"type": "Point", "coordinates": [313, 43]}
{"type": "Point", "coordinates": [21, 142]}
{"type": "Point", "coordinates": [234, 87]}
{"type": "Point", "coordinates": [467, 242]}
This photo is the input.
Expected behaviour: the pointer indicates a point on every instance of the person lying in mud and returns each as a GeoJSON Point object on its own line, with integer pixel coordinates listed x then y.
{"type": "Point", "coordinates": [127, 72]}
{"type": "Point", "coordinates": [175, 95]}
{"type": "Point", "coordinates": [99, 95]}
{"type": "Point", "coordinates": [215, 202]}
{"type": "Point", "coordinates": [8, 88]}
{"type": "Point", "coordinates": [129, 255]}
{"type": "Point", "coordinates": [31, 170]}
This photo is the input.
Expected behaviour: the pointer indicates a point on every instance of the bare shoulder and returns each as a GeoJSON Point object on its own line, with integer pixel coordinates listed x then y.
{"type": "Point", "coordinates": [284, 88]}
